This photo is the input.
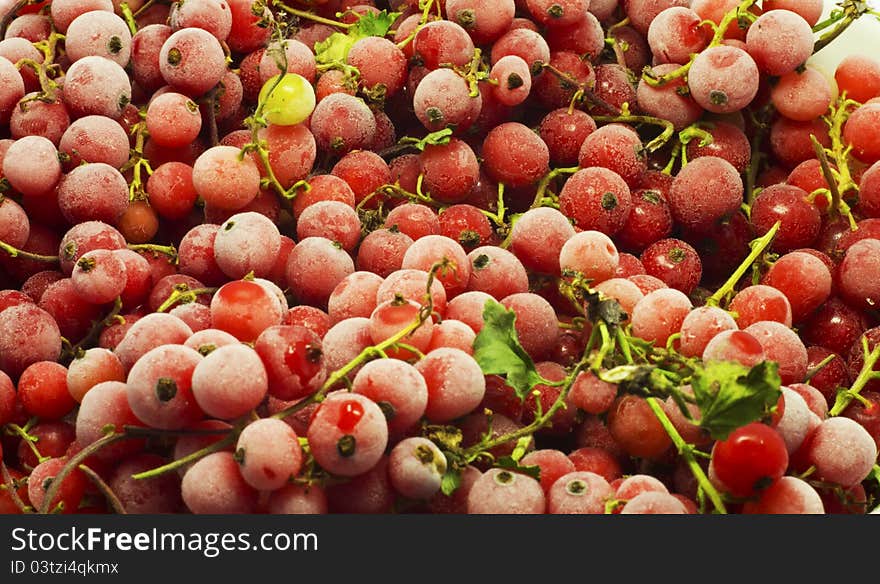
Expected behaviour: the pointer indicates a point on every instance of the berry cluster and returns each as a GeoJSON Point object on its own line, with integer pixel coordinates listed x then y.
{"type": "Point", "coordinates": [443, 256]}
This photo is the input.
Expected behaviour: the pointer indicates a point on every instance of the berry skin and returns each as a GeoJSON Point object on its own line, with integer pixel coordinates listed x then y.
{"type": "Point", "coordinates": [750, 460]}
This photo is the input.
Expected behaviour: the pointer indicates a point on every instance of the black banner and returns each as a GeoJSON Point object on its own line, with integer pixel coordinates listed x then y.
{"type": "Point", "coordinates": [408, 547]}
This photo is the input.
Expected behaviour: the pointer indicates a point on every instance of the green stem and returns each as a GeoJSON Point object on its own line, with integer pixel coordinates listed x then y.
{"type": "Point", "coordinates": [395, 191]}
{"type": "Point", "coordinates": [97, 327]}
{"type": "Point", "coordinates": [474, 75]}
{"type": "Point", "coordinates": [18, 253]}
{"type": "Point", "coordinates": [687, 452]}
{"type": "Point", "coordinates": [74, 462]}
{"type": "Point", "coordinates": [509, 237]}
{"type": "Point", "coordinates": [485, 445]}
{"type": "Point", "coordinates": [758, 247]}
{"type": "Point", "coordinates": [372, 351]}
{"type": "Point", "coordinates": [837, 205]}
{"type": "Point", "coordinates": [545, 182]}
{"type": "Point", "coordinates": [677, 150]}
{"type": "Point", "coordinates": [626, 117]}
{"type": "Point", "coordinates": [605, 349]}
{"type": "Point", "coordinates": [146, 6]}
{"type": "Point", "coordinates": [306, 15]}
{"type": "Point", "coordinates": [623, 343]}
{"type": "Point", "coordinates": [28, 439]}
{"type": "Point", "coordinates": [693, 132]}
{"type": "Point", "coordinates": [865, 375]}
{"type": "Point", "coordinates": [128, 16]}
{"type": "Point", "coordinates": [819, 367]}
{"type": "Point", "coordinates": [168, 250]}
{"type": "Point", "coordinates": [181, 462]}
{"type": "Point", "coordinates": [497, 217]}
{"type": "Point", "coordinates": [426, 13]}
{"type": "Point", "coordinates": [137, 163]}
{"type": "Point", "coordinates": [600, 330]}
{"type": "Point", "coordinates": [263, 155]}
{"type": "Point", "coordinates": [341, 373]}
{"type": "Point", "coordinates": [180, 294]}
{"type": "Point", "coordinates": [839, 178]}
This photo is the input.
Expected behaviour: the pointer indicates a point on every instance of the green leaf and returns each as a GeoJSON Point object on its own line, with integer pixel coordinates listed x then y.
{"type": "Point", "coordinates": [730, 395]}
{"type": "Point", "coordinates": [508, 463]}
{"type": "Point", "coordinates": [450, 481]}
{"type": "Point", "coordinates": [370, 24]}
{"type": "Point", "coordinates": [498, 351]}
{"type": "Point", "coordinates": [335, 48]}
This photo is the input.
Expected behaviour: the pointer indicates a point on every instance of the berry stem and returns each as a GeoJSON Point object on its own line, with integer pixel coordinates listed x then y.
{"type": "Point", "coordinates": [48, 87]}
{"type": "Point", "coordinates": [9, 485]}
{"type": "Point", "coordinates": [10, 15]}
{"type": "Point", "coordinates": [839, 179]}
{"type": "Point", "coordinates": [396, 191]}
{"type": "Point", "coordinates": [627, 117]}
{"type": "Point", "coordinates": [97, 327]}
{"type": "Point", "coordinates": [540, 421]}
{"type": "Point", "coordinates": [27, 438]}
{"type": "Point", "coordinates": [819, 367]}
{"type": "Point", "coordinates": [109, 438]}
{"type": "Point", "coordinates": [146, 6]}
{"type": "Point", "coordinates": [851, 10]}
{"type": "Point", "coordinates": [617, 47]}
{"type": "Point", "coordinates": [181, 462]}
{"type": "Point", "coordinates": [540, 194]}
{"type": "Point", "coordinates": [582, 91]}
{"type": "Point", "coordinates": [498, 216]}
{"type": "Point", "coordinates": [168, 250]}
{"type": "Point", "coordinates": [426, 6]}
{"type": "Point", "coordinates": [605, 349]}
{"type": "Point", "coordinates": [543, 418]}
{"type": "Point", "coordinates": [837, 205]}
{"type": "Point", "coordinates": [687, 452]}
{"type": "Point", "coordinates": [183, 295]}
{"type": "Point", "coordinates": [758, 247]}
{"type": "Point", "coordinates": [475, 72]}
{"type": "Point", "coordinates": [128, 16]}
{"type": "Point", "coordinates": [105, 490]}
{"type": "Point", "coordinates": [372, 351]}
{"type": "Point", "coordinates": [137, 163]}
{"type": "Point", "coordinates": [18, 253]}
{"type": "Point", "coordinates": [255, 123]}
{"type": "Point", "coordinates": [306, 15]}
{"type": "Point", "coordinates": [693, 132]}
{"type": "Point", "coordinates": [866, 374]}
